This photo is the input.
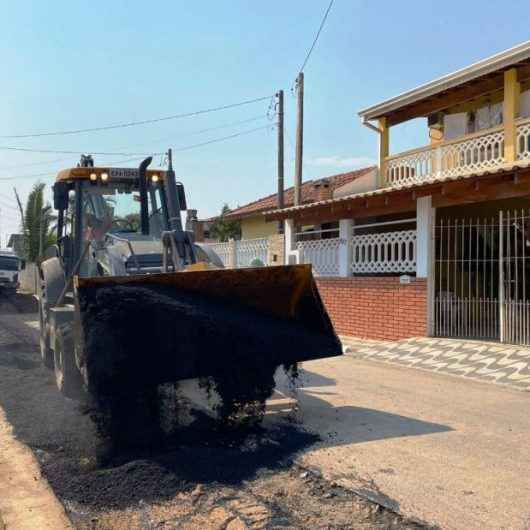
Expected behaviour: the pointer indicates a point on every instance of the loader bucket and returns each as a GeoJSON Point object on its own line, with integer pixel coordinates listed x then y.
{"type": "Point", "coordinates": [144, 330]}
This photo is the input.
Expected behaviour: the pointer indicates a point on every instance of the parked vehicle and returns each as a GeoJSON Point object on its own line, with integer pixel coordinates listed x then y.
{"type": "Point", "coordinates": [9, 268]}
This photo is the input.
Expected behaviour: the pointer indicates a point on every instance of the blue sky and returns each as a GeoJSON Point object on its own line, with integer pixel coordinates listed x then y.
{"type": "Point", "coordinates": [83, 64]}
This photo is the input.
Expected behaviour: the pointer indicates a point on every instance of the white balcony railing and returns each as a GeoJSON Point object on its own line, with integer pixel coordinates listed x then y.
{"type": "Point", "coordinates": [472, 153]}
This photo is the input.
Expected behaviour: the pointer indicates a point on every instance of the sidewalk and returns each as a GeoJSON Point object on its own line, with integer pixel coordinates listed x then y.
{"type": "Point", "coordinates": [493, 362]}
{"type": "Point", "coordinates": [26, 500]}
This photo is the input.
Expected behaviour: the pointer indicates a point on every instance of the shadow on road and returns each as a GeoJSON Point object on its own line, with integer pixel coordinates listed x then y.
{"type": "Point", "coordinates": [347, 424]}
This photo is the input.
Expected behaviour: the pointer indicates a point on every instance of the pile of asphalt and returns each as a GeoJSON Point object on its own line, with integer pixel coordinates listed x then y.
{"type": "Point", "coordinates": [138, 337]}
{"type": "Point", "coordinates": [166, 469]}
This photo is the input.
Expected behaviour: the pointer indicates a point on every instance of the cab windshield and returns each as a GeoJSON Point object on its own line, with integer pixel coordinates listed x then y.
{"type": "Point", "coordinates": [116, 209]}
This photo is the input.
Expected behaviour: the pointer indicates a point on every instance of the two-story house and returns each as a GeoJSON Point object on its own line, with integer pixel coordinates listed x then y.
{"type": "Point", "coordinates": [441, 245]}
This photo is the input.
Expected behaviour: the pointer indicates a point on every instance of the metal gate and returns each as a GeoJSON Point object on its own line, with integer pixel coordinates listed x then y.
{"type": "Point", "coordinates": [481, 288]}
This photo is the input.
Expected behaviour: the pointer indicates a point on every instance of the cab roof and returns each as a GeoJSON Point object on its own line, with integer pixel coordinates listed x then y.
{"type": "Point", "coordinates": [121, 174]}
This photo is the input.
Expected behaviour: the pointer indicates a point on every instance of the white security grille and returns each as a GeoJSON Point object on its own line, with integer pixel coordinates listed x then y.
{"type": "Point", "coordinates": [251, 250]}
{"type": "Point", "coordinates": [223, 251]}
{"type": "Point", "coordinates": [475, 152]}
{"type": "Point", "coordinates": [323, 254]}
{"type": "Point", "coordinates": [523, 140]}
{"type": "Point", "coordinates": [384, 252]}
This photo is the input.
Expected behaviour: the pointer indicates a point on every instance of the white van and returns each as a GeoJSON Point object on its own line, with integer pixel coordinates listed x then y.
{"type": "Point", "coordinates": [9, 267]}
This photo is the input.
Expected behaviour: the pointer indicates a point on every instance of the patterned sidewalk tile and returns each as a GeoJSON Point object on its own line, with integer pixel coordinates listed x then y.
{"type": "Point", "coordinates": [484, 361]}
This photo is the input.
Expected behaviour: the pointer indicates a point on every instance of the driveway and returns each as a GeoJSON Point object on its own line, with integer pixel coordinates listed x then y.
{"type": "Point", "coordinates": [443, 449]}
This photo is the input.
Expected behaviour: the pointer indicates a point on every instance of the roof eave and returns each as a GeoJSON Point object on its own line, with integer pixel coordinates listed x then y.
{"type": "Point", "coordinates": [487, 66]}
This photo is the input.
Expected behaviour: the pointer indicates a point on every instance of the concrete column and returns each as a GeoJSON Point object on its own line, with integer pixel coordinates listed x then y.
{"type": "Point", "coordinates": [512, 90]}
{"type": "Point", "coordinates": [291, 252]}
{"type": "Point", "coordinates": [425, 216]}
{"type": "Point", "coordinates": [384, 150]}
{"type": "Point", "coordinates": [232, 248]}
{"type": "Point", "coordinates": [345, 233]}
{"type": "Point", "coordinates": [424, 247]}
{"type": "Point", "coordinates": [276, 250]}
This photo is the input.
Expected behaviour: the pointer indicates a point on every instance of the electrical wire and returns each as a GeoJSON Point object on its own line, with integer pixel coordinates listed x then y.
{"type": "Point", "coordinates": [140, 122]}
{"type": "Point", "coordinates": [317, 35]}
{"type": "Point", "coordinates": [106, 153]}
{"type": "Point", "coordinates": [215, 140]}
{"type": "Point", "coordinates": [137, 158]}
{"type": "Point", "coordinates": [61, 152]}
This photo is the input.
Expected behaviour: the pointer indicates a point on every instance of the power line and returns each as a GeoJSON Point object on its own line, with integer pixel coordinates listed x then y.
{"type": "Point", "coordinates": [140, 122]}
{"type": "Point", "coordinates": [137, 158]}
{"type": "Point", "coordinates": [60, 152]}
{"type": "Point", "coordinates": [215, 140]}
{"type": "Point", "coordinates": [39, 163]}
{"type": "Point", "coordinates": [106, 153]}
{"type": "Point", "coordinates": [33, 175]}
{"type": "Point", "coordinates": [200, 131]}
{"type": "Point", "coordinates": [317, 35]}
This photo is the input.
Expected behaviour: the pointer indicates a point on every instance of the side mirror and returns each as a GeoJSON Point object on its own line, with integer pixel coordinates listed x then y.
{"type": "Point", "coordinates": [181, 196]}
{"type": "Point", "coordinates": [60, 196]}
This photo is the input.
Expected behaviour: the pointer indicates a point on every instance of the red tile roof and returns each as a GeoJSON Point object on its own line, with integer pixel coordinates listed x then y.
{"type": "Point", "coordinates": [310, 193]}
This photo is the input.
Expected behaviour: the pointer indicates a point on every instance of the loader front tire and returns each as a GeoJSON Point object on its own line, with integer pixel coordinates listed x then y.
{"type": "Point", "coordinates": [67, 376]}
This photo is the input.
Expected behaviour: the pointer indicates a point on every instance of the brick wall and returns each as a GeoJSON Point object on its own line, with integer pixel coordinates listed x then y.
{"type": "Point", "coordinates": [376, 307]}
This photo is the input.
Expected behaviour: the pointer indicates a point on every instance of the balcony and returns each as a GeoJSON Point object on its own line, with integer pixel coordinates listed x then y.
{"type": "Point", "coordinates": [469, 154]}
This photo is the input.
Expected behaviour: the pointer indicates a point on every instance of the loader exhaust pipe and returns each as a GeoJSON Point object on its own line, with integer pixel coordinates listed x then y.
{"type": "Point", "coordinates": [142, 185]}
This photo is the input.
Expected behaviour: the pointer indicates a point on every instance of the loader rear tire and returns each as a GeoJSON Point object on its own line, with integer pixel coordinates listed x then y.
{"type": "Point", "coordinates": [46, 352]}
{"type": "Point", "coordinates": [67, 376]}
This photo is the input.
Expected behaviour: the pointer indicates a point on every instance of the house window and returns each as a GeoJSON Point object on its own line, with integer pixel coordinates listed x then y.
{"type": "Point", "coordinates": [330, 230]}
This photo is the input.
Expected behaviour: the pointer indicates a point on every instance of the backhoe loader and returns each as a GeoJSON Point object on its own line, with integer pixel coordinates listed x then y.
{"type": "Point", "coordinates": [128, 301]}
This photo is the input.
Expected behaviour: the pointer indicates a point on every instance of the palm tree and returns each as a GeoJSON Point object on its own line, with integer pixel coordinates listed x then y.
{"type": "Point", "coordinates": [37, 224]}
{"type": "Point", "coordinates": [222, 229]}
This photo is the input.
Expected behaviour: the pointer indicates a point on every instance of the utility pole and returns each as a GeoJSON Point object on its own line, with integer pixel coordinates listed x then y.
{"type": "Point", "coordinates": [299, 140]}
{"type": "Point", "coordinates": [279, 95]}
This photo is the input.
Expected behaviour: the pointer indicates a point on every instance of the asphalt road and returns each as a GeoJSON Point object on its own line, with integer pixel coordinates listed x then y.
{"type": "Point", "coordinates": [444, 449]}
{"type": "Point", "coordinates": [202, 478]}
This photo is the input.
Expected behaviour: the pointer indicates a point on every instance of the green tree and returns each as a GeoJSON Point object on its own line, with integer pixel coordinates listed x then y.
{"type": "Point", "coordinates": [223, 229]}
{"type": "Point", "coordinates": [37, 224]}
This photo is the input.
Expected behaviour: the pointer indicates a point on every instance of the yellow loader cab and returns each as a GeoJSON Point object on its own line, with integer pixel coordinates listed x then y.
{"type": "Point", "coordinates": [124, 309]}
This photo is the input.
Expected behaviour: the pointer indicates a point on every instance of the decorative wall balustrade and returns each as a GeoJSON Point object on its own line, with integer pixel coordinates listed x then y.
{"type": "Point", "coordinates": [223, 250]}
{"type": "Point", "coordinates": [323, 254]}
{"type": "Point", "coordinates": [523, 140]}
{"type": "Point", "coordinates": [473, 154]}
{"type": "Point", "coordinates": [244, 253]}
{"type": "Point", "coordinates": [384, 252]}
{"type": "Point", "coordinates": [251, 252]}
{"type": "Point", "coordinates": [477, 152]}
{"type": "Point", "coordinates": [410, 168]}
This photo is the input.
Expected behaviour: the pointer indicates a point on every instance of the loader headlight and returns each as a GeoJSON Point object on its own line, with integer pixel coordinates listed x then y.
{"type": "Point", "coordinates": [104, 177]}
{"type": "Point", "coordinates": [93, 177]}
{"type": "Point", "coordinates": [154, 179]}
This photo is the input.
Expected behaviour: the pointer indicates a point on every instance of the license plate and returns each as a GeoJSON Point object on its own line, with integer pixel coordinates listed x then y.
{"type": "Point", "coordinates": [124, 172]}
